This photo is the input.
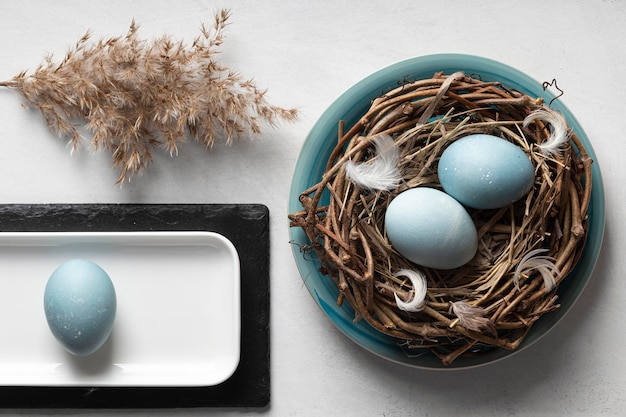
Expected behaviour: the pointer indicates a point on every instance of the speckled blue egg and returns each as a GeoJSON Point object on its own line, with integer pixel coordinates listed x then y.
{"type": "Point", "coordinates": [431, 229]}
{"type": "Point", "coordinates": [80, 306]}
{"type": "Point", "coordinates": [485, 172]}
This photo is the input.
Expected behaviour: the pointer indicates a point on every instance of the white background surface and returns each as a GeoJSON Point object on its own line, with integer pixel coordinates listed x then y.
{"type": "Point", "coordinates": [307, 54]}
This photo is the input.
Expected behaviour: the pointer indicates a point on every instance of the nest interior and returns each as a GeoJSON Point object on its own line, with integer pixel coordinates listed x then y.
{"type": "Point", "coordinates": [479, 306]}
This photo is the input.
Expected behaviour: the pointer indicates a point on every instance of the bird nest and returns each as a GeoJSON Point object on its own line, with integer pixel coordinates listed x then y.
{"type": "Point", "coordinates": [492, 301]}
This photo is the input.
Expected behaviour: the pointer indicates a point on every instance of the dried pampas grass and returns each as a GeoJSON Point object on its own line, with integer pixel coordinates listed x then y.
{"type": "Point", "coordinates": [134, 95]}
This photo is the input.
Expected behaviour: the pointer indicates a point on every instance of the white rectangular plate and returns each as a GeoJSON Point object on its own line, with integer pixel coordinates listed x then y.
{"type": "Point", "coordinates": [178, 309]}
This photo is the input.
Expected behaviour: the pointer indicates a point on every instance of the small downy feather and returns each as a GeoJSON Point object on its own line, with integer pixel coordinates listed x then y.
{"type": "Point", "coordinates": [418, 281]}
{"type": "Point", "coordinates": [553, 146]}
{"type": "Point", "coordinates": [472, 318]}
{"type": "Point", "coordinates": [540, 263]}
{"type": "Point", "coordinates": [380, 173]}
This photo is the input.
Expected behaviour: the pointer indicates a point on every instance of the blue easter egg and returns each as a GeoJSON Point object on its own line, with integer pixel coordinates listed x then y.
{"type": "Point", "coordinates": [431, 229]}
{"type": "Point", "coordinates": [80, 305]}
{"type": "Point", "coordinates": [485, 172]}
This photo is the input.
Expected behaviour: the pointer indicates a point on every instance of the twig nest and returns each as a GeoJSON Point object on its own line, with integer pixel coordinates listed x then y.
{"type": "Point", "coordinates": [525, 248]}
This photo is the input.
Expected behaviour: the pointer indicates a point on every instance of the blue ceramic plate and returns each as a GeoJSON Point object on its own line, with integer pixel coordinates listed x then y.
{"type": "Point", "coordinates": [310, 166]}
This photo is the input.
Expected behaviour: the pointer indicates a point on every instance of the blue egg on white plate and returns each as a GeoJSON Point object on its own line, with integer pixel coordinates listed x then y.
{"type": "Point", "coordinates": [80, 305]}
{"type": "Point", "coordinates": [431, 229]}
{"type": "Point", "coordinates": [485, 172]}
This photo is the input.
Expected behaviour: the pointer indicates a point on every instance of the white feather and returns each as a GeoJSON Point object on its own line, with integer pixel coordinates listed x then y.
{"type": "Point", "coordinates": [471, 317]}
{"type": "Point", "coordinates": [558, 130]}
{"type": "Point", "coordinates": [540, 263]}
{"type": "Point", "coordinates": [418, 281]}
{"type": "Point", "coordinates": [380, 172]}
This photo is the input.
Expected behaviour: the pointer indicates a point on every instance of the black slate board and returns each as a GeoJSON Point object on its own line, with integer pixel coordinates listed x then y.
{"type": "Point", "coordinates": [247, 227]}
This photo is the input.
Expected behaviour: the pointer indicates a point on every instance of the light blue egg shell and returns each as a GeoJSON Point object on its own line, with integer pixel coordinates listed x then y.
{"type": "Point", "coordinates": [80, 305]}
{"type": "Point", "coordinates": [431, 229]}
{"type": "Point", "coordinates": [485, 172]}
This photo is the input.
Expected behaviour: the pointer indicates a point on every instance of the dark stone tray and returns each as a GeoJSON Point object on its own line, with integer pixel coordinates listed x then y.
{"type": "Point", "coordinates": [247, 227]}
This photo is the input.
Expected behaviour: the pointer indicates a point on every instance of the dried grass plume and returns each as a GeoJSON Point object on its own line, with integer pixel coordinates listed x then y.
{"type": "Point", "coordinates": [134, 95]}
